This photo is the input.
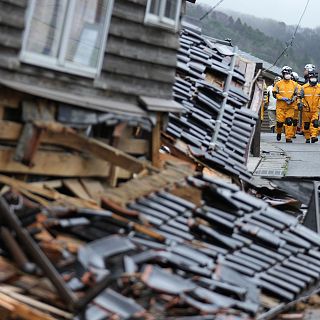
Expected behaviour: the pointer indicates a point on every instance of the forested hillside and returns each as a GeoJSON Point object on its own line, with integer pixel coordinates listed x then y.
{"type": "Point", "coordinates": [264, 38]}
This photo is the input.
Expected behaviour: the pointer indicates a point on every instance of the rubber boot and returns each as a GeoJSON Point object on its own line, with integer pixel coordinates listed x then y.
{"type": "Point", "coordinates": [314, 139]}
{"type": "Point", "coordinates": [278, 136]}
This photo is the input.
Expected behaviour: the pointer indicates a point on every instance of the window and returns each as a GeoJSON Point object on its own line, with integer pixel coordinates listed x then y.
{"type": "Point", "coordinates": [67, 35]}
{"type": "Point", "coordinates": [164, 13]}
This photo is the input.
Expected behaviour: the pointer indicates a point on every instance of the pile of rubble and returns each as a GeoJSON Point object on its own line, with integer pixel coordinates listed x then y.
{"type": "Point", "coordinates": [171, 243]}
{"type": "Point", "coordinates": [203, 67]}
{"type": "Point", "coordinates": [220, 253]}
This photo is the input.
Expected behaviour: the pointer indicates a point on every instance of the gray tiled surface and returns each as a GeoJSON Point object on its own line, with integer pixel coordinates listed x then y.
{"type": "Point", "coordinates": [304, 159]}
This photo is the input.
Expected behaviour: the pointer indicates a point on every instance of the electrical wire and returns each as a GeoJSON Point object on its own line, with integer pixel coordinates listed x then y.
{"type": "Point", "coordinates": [290, 44]}
{"type": "Point", "coordinates": [210, 10]}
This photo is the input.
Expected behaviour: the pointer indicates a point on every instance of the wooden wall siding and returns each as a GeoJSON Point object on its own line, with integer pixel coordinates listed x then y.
{"type": "Point", "coordinates": [139, 59]}
{"type": "Point", "coordinates": [135, 50]}
{"type": "Point", "coordinates": [12, 16]}
{"type": "Point", "coordinates": [141, 70]}
{"type": "Point", "coordinates": [18, 3]}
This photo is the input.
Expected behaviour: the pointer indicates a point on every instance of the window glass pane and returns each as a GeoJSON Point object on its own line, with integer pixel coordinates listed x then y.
{"type": "Point", "coordinates": [46, 26]}
{"type": "Point", "coordinates": [86, 32]}
{"type": "Point", "coordinates": [171, 9]}
{"type": "Point", "coordinates": [155, 7]}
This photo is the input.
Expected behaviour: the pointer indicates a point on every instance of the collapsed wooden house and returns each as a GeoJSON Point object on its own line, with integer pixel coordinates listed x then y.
{"type": "Point", "coordinates": [84, 89]}
{"type": "Point", "coordinates": [103, 67]}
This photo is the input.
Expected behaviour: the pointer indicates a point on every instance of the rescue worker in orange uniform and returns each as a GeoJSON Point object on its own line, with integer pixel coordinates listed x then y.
{"type": "Point", "coordinates": [295, 77]}
{"type": "Point", "coordinates": [310, 106]}
{"type": "Point", "coordinates": [307, 68]}
{"type": "Point", "coordinates": [285, 91]}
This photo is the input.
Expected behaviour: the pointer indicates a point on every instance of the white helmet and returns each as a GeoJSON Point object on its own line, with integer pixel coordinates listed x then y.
{"type": "Point", "coordinates": [310, 67]}
{"type": "Point", "coordinates": [286, 69]}
{"type": "Point", "coordinates": [286, 73]}
{"type": "Point", "coordinates": [276, 79]}
{"type": "Point", "coordinates": [295, 76]}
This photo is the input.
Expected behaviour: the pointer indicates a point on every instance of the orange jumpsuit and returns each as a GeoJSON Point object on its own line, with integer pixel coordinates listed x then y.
{"type": "Point", "coordinates": [310, 97]}
{"type": "Point", "coordinates": [285, 110]}
{"type": "Point", "coordinates": [296, 112]}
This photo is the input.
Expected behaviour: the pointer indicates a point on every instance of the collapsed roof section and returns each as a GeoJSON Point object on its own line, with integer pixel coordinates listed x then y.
{"type": "Point", "coordinates": [222, 252]}
{"type": "Point", "coordinates": [202, 71]}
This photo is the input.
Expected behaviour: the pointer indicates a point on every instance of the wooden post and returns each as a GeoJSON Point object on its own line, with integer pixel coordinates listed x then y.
{"type": "Point", "coordinates": [114, 170]}
{"type": "Point", "coordinates": [255, 147]}
{"type": "Point", "coordinates": [156, 142]}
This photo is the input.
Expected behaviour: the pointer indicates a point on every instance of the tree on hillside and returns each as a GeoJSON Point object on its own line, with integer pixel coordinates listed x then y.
{"type": "Point", "coordinates": [263, 38]}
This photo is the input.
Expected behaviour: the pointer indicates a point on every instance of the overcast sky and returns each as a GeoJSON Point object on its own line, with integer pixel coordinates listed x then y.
{"type": "Point", "coordinates": [288, 11]}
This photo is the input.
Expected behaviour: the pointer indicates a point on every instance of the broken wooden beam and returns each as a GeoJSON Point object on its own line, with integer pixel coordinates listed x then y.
{"type": "Point", "coordinates": [139, 187]}
{"type": "Point", "coordinates": [60, 135]}
{"type": "Point", "coordinates": [57, 134]}
{"type": "Point", "coordinates": [62, 164]}
{"type": "Point", "coordinates": [50, 194]}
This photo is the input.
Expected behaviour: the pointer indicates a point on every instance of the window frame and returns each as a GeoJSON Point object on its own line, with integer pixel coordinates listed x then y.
{"type": "Point", "coordinates": [160, 20]}
{"type": "Point", "coordinates": [60, 63]}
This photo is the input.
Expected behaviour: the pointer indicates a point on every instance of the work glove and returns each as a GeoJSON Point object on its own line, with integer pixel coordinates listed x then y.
{"type": "Point", "coordinates": [300, 106]}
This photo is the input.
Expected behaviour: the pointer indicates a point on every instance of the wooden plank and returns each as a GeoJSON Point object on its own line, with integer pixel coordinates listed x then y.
{"type": "Point", "coordinates": [140, 187]}
{"type": "Point", "coordinates": [10, 291]}
{"type": "Point", "coordinates": [145, 34]}
{"type": "Point", "coordinates": [75, 186]}
{"type": "Point", "coordinates": [120, 130]}
{"type": "Point", "coordinates": [249, 71]}
{"type": "Point", "coordinates": [141, 51]}
{"type": "Point", "coordinates": [59, 164]}
{"type": "Point", "coordinates": [141, 70]}
{"type": "Point", "coordinates": [134, 86]}
{"type": "Point", "coordinates": [51, 184]}
{"type": "Point", "coordinates": [27, 145]}
{"type": "Point", "coordinates": [18, 3]}
{"type": "Point", "coordinates": [9, 62]}
{"type": "Point", "coordinates": [34, 197]}
{"type": "Point", "coordinates": [56, 134]}
{"type": "Point", "coordinates": [123, 174]}
{"type": "Point", "coordinates": [71, 243]}
{"type": "Point", "coordinates": [10, 37]}
{"type": "Point", "coordinates": [215, 78]}
{"type": "Point", "coordinates": [57, 79]}
{"type": "Point", "coordinates": [47, 193]}
{"type": "Point", "coordinates": [216, 174]}
{"type": "Point", "coordinates": [188, 193]}
{"type": "Point", "coordinates": [2, 109]}
{"type": "Point", "coordinates": [74, 94]}
{"type": "Point", "coordinates": [7, 270]}
{"type": "Point", "coordinates": [169, 158]}
{"type": "Point", "coordinates": [38, 110]}
{"type": "Point", "coordinates": [10, 131]}
{"type": "Point", "coordinates": [93, 187]}
{"type": "Point", "coordinates": [23, 311]}
{"type": "Point", "coordinates": [134, 146]}
{"type": "Point", "coordinates": [12, 15]}
{"type": "Point", "coordinates": [136, 12]}
{"type": "Point", "coordinates": [156, 142]}
{"type": "Point", "coordinates": [10, 98]}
